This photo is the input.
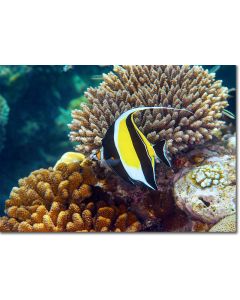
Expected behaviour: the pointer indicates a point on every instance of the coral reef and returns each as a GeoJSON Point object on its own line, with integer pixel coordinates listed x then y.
{"type": "Point", "coordinates": [4, 111]}
{"type": "Point", "coordinates": [192, 88]}
{"type": "Point", "coordinates": [157, 208]}
{"type": "Point", "coordinates": [79, 194]}
{"type": "Point", "coordinates": [40, 100]}
{"type": "Point", "coordinates": [67, 184]}
{"type": "Point", "coordinates": [208, 192]}
{"type": "Point", "coordinates": [227, 224]}
{"type": "Point", "coordinates": [62, 199]}
{"type": "Point", "coordinates": [150, 206]}
{"type": "Point", "coordinates": [97, 216]}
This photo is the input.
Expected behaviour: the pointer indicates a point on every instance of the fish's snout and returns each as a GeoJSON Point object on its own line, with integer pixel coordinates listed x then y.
{"type": "Point", "coordinates": [95, 156]}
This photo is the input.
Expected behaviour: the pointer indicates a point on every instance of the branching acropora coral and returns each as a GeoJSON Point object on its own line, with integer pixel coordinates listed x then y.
{"type": "Point", "coordinates": [4, 111]}
{"type": "Point", "coordinates": [192, 88]}
{"type": "Point", "coordinates": [58, 200]}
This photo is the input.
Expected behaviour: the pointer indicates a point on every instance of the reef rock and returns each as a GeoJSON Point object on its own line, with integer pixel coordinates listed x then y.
{"type": "Point", "coordinates": [208, 192]}
{"type": "Point", "coordinates": [232, 143]}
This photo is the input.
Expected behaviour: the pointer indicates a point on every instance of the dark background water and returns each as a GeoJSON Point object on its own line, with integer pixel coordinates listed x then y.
{"type": "Point", "coordinates": [40, 99]}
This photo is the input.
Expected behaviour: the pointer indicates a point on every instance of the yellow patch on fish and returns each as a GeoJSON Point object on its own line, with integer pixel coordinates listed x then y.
{"type": "Point", "coordinates": [147, 144]}
{"type": "Point", "coordinates": [127, 150]}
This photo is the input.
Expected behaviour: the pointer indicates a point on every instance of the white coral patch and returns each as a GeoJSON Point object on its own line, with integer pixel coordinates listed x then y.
{"type": "Point", "coordinates": [206, 182]}
{"type": "Point", "coordinates": [208, 175]}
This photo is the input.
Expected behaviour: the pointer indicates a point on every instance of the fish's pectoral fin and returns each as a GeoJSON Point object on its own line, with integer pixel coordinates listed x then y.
{"type": "Point", "coordinates": [113, 162]}
{"type": "Point", "coordinates": [160, 149]}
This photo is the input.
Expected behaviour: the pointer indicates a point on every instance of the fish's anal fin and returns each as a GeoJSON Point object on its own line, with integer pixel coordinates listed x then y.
{"type": "Point", "coordinates": [160, 149]}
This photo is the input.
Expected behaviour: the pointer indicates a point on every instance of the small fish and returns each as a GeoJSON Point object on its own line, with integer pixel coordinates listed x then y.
{"type": "Point", "coordinates": [97, 77]}
{"type": "Point", "coordinates": [127, 151]}
{"type": "Point", "coordinates": [232, 93]}
{"type": "Point", "coordinates": [214, 69]}
{"type": "Point", "coordinates": [67, 68]}
{"type": "Point", "coordinates": [228, 114]}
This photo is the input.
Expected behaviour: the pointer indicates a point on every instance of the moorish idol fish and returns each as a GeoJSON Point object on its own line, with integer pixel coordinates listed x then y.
{"type": "Point", "coordinates": [127, 151]}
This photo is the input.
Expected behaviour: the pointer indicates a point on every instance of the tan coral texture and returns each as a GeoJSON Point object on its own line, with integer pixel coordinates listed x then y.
{"type": "Point", "coordinates": [227, 224]}
{"type": "Point", "coordinates": [192, 88]}
{"type": "Point", "coordinates": [62, 200]}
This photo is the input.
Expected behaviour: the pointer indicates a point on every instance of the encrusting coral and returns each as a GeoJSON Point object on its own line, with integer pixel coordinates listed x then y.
{"type": "Point", "coordinates": [4, 111]}
{"type": "Point", "coordinates": [227, 224]}
{"type": "Point", "coordinates": [62, 199]}
{"type": "Point", "coordinates": [192, 88]}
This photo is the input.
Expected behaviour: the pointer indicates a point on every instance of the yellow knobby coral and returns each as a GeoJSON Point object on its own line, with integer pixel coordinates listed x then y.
{"type": "Point", "coordinates": [192, 88]}
{"type": "Point", "coordinates": [56, 200]}
{"type": "Point", "coordinates": [66, 184]}
{"type": "Point", "coordinates": [85, 217]}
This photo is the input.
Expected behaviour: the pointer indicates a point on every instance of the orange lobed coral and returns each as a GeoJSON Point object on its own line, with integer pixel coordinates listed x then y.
{"type": "Point", "coordinates": [62, 200]}
{"type": "Point", "coordinates": [86, 217]}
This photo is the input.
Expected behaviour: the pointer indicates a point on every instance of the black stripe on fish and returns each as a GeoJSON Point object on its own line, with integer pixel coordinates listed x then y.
{"type": "Point", "coordinates": [160, 149]}
{"type": "Point", "coordinates": [142, 153]}
{"type": "Point", "coordinates": [111, 156]}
